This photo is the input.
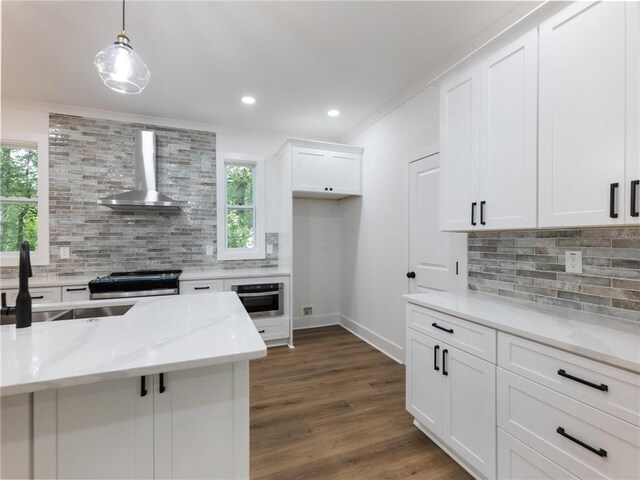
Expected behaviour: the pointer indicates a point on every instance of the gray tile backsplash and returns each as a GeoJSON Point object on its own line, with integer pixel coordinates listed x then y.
{"type": "Point", "coordinates": [91, 158]}
{"type": "Point", "coordinates": [530, 265]}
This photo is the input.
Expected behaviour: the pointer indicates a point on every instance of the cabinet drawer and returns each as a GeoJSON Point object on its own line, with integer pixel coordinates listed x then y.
{"type": "Point", "coordinates": [202, 286]}
{"type": "Point", "coordinates": [516, 461]}
{"type": "Point", "coordinates": [75, 293]}
{"type": "Point", "coordinates": [38, 295]}
{"type": "Point", "coordinates": [566, 431]}
{"type": "Point", "coordinates": [609, 389]}
{"type": "Point", "coordinates": [272, 329]}
{"type": "Point", "coordinates": [470, 337]}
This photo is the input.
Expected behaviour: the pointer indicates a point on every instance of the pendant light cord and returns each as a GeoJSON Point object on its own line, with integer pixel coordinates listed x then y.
{"type": "Point", "coordinates": [123, 29]}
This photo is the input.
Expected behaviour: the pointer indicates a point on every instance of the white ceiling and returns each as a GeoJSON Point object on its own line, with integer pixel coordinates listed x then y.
{"type": "Point", "coordinates": [299, 59]}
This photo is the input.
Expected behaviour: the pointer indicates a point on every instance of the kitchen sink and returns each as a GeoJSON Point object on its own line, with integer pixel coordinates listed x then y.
{"type": "Point", "coordinates": [70, 314]}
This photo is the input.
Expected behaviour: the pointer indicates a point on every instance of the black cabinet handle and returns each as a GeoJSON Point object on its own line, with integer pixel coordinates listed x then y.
{"type": "Point", "coordinates": [260, 331]}
{"type": "Point", "coordinates": [411, 275]}
{"type": "Point", "coordinates": [201, 288]}
{"type": "Point", "coordinates": [602, 386]}
{"type": "Point", "coordinates": [80, 289]}
{"type": "Point", "coordinates": [448, 330]}
{"type": "Point", "coordinates": [444, 362]}
{"type": "Point", "coordinates": [435, 358]}
{"type": "Point", "coordinates": [634, 194]}
{"type": "Point", "coordinates": [612, 200]}
{"type": "Point", "coordinates": [162, 388]}
{"type": "Point", "coordinates": [482, 204]}
{"type": "Point", "coordinates": [143, 386]}
{"type": "Point", "coordinates": [331, 189]}
{"type": "Point", "coordinates": [39, 297]}
{"type": "Point", "coordinates": [473, 213]}
{"type": "Point", "coordinates": [598, 451]}
{"type": "Point", "coordinates": [326, 189]}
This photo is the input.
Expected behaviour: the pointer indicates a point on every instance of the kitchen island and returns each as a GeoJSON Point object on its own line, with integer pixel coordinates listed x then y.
{"type": "Point", "coordinates": [159, 392]}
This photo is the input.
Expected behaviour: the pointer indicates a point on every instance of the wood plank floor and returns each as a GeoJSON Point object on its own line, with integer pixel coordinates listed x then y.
{"type": "Point", "coordinates": [333, 407]}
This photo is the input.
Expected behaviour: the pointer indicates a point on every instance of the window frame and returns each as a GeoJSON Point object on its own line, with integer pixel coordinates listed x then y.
{"type": "Point", "coordinates": [257, 162]}
{"type": "Point", "coordinates": [41, 255]}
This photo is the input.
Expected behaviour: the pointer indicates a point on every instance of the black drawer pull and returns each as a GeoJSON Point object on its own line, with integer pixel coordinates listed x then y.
{"type": "Point", "coordinates": [435, 358]}
{"type": "Point", "coordinates": [39, 297]}
{"type": "Point", "coordinates": [162, 388]}
{"type": "Point", "coordinates": [448, 330]}
{"type": "Point", "coordinates": [598, 451]}
{"type": "Point", "coordinates": [482, 204]}
{"type": "Point", "coordinates": [635, 184]}
{"type": "Point", "coordinates": [612, 200]}
{"type": "Point", "coordinates": [202, 288]}
{"type": "Point", "coordinates": [473, 213]}
{"type": "Point", "coordinates": [602, 386]}
{"type": "Point", "coordinates": [261, 331]}
{"type": "Point", "coordinates": [80, 289]}
{"type": "Point", "coordinates": [143, 386]}
{"type": "Point", "coordinates": [444, 362]}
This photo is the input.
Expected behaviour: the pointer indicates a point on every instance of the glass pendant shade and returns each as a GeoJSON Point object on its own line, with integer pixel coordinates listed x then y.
{"type": "Point", "coordinates": [121, 69]}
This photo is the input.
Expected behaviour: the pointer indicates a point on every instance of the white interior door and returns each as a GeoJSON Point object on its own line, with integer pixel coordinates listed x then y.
{"type": "Point", "coordinates": [432, 254]}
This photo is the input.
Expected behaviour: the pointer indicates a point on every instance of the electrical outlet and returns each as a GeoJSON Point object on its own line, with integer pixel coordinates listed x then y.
{"type": "Point", "coordinates": [209, 249]}
{"type": "Point", "coordinates": [64, 253]}
{"type": "Point", "coordinates": [573, 262]}
{"type": "Point", "coordinates": [269, 249]}
{"type": "Point", "coordinates": [306, 311]}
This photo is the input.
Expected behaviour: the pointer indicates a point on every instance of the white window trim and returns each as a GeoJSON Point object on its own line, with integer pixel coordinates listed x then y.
{"type": "Point", "coordinates": [41, 255]}
{"type": "Point", "coordinates": [258, 251]}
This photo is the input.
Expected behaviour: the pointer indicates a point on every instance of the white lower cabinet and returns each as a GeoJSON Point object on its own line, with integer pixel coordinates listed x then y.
{"type": "Point", "coordinates": [452, 394]}
{"type": "Point", "coordinates": [75, 293]}
{"type": "Point", "coordinates": [186, 424]}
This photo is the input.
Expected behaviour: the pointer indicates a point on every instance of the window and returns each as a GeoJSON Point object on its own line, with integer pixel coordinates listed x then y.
{"type": "Point", "coordinates": [24, 206]}
{"type": "Point", "coordinates": [240, 207]}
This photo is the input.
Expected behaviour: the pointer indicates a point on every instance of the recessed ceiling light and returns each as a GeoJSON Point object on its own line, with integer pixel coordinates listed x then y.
{"type": "Point", "coordinates": [333, 113]}
{"type": "Point", "coordinates": [248, 100]}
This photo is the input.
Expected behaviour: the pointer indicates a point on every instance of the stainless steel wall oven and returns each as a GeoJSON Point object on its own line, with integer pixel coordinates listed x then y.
{"type": "Point", "coordinates": [261, 299]}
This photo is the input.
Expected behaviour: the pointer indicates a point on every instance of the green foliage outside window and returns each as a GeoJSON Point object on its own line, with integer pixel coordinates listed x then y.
{"type": "Point", "coordinates": [18, 179]}
{"type": "Point", "coordinates": [240, 206]}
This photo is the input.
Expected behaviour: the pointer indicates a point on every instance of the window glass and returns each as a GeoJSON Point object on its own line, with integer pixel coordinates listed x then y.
{"type": "Point", "coordinates": [18, 197]}
{"type": "Point", "coordinates": [240, 206]}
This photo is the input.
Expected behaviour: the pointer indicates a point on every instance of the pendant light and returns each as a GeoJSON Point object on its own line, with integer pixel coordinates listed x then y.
{"type": "Point", "coordinates": [120, 68]}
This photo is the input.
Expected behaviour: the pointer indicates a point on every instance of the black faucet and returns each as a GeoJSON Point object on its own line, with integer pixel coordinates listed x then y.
{"type": "Point", "coordinates": [23, 300]}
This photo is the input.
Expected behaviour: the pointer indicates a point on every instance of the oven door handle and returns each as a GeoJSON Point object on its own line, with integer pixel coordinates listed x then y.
{"type": "Point", "coordinates": [259, 294]}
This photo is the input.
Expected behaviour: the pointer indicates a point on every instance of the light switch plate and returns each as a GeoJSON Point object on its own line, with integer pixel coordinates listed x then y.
{"type": "Point", "coordinates": [64, 253]}
{"type": "Point", "coordinates": [209, 250]}
{"type": "Point", "coordinates": [573, 262]}
{"type": "Point", "coordinates": [269, 249]}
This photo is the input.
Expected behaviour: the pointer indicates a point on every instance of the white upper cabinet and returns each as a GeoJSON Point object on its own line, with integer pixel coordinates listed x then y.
{"type": "Point", "coordinates": [587, 106]}
{"type": "Point", "coordinates": [508, 140]}
{"type": "Point", "coordinates": [459, 117]}
{"type": "Point", "coordinates": [488, 141]}
{"type": "Point", "coordinates": [322, 170]}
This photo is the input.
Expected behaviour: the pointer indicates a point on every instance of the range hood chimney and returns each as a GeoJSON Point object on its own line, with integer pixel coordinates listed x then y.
{"type": "Point", "coordinates": [145, 195]}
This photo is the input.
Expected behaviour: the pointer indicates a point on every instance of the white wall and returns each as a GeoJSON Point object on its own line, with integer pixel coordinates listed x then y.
{"type": "Point", "coordinates": [316, 261]}
{"type": "Point", "coordinates": [374, 228]}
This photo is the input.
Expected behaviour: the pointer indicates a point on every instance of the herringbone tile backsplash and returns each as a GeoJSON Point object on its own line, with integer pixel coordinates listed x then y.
{"type": "Point", "coordinates": [530, 265]}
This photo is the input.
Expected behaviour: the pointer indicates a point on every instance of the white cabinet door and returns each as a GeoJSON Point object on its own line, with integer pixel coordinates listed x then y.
{"type": "Point", "coordinates": [632, 187]}
{"type": "Point", "coordinates": [38, 295]}
{"type": "Point", "coordinates": [202, 423]}
{"type": "Point", "coordinates": [15, 436]}
{"type": "Point", "coordinates": [99, 430]}
{"type": "Point", "coordinates": [75, 293]}
{"type": "Point", "coordinates": [343, 172]}
{"type": "Point", "coordinates": [309, 170]}
{"type": "Point", "coordinates": [582, 115]}
{"type": "Point", "coordinates": [509, 144]}
{"type": "Point", "coordinates": [459, 150]}
{"type": "Point", "coordinates": [424, 380]}
{"type": "Point", "coordinates": [469, 408]}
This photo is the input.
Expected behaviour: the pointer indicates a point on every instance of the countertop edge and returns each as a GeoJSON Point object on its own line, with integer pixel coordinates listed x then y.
{"type": "Point", "coordinates": [586, 352]}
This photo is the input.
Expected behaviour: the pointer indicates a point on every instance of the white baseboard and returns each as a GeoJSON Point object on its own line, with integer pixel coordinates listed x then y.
{"type": "Point", "coordinates": [390, 349]}
{"type": "Point", "coordinates": [315, 321]}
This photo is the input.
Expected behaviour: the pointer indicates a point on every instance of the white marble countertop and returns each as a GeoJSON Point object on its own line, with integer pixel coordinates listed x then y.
{"type": "Point", "coordinates": [187, 275]}
{"type": "Point", "coordinates": [606, 339]}
{"type": "Point", "coordinates": [157, 335]}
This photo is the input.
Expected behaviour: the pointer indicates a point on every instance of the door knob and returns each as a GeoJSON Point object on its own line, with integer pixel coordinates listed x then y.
{"type": "Point", "coordinates": [411, 275]}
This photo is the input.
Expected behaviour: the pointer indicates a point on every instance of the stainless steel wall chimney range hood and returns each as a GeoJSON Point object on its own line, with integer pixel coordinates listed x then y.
{"type": "Point", "coordinates": [145, 194]}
